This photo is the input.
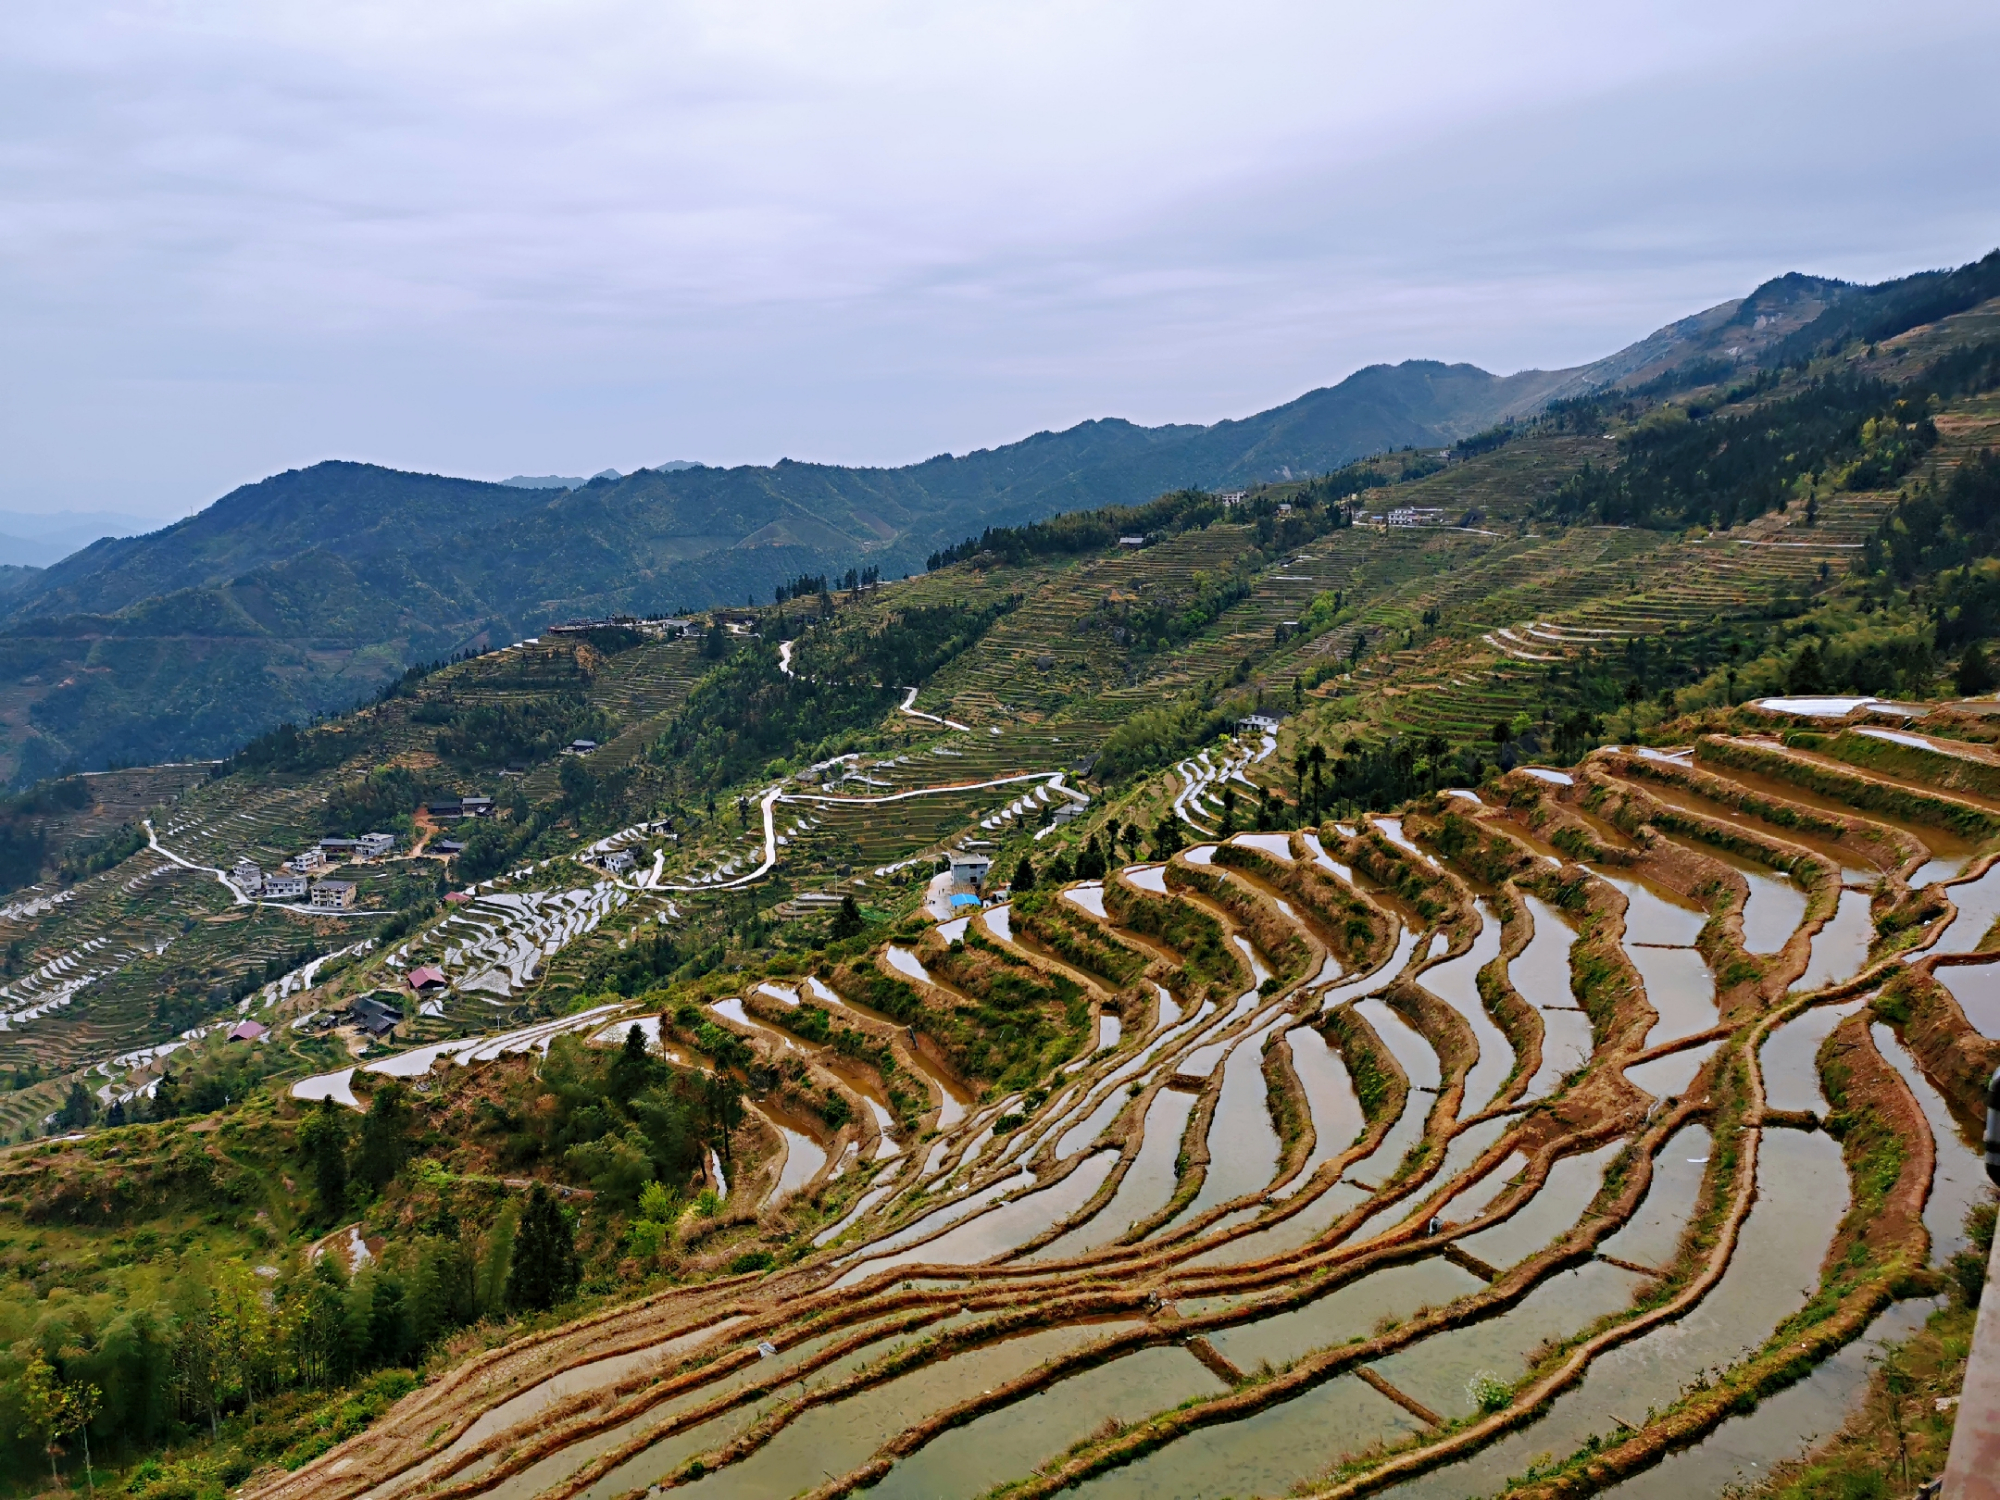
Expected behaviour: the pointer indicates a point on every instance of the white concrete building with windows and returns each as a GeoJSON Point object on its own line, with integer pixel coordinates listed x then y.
{"type": "Point", "coordinates": [969, 871]}
{"type": "Point", "coordinates": [333, 895]}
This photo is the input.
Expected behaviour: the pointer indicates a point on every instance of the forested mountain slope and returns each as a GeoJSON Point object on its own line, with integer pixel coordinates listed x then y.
{"type": "Point", "coordinates": [300, 594]}
{"type": "Point", "coordinates": [1467, 968]}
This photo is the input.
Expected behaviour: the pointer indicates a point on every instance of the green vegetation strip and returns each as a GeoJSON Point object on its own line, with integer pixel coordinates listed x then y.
{"type": "Point", "coordinates": [1860, 791]}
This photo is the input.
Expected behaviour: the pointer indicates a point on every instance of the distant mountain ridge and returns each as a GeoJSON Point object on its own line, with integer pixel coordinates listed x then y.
{"type": "Point", "coordinates": [577, 482]}
{"type": "Point", "coordinates": [459, 550]}
{"type": "Point", "coordinates": [530, 531]}
{"type": "Point", "coordinates": [299, 593]}
{"type": "Point", "coordinates": [34, 540]}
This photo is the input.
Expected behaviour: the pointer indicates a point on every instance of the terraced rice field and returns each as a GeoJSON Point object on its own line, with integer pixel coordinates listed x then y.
{"type": "Point", "coordinates": [496, 945]}
{"type": "Point", "coordinates": [880, 813]}
{"type": "Point", "coordinates": [97, 956]}
{"type": "Point", "coordinates": [1531, 604]}
{"type": "Point", "coordinates": [1436, 1167]}
{"type": "Point", "coordinates": [643, 688]}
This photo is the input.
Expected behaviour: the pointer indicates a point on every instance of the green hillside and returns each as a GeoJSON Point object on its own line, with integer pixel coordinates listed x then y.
{"type": "Point", "coordinates": [1528, 723]}
{"type": "Point", "coordinates": [297, 596]}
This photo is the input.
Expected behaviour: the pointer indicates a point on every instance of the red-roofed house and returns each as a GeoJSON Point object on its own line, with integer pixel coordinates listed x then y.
{"type": "Point", "coordinates": [247, 1031]}
{"type": "Point", "coordinates": [427, 977]}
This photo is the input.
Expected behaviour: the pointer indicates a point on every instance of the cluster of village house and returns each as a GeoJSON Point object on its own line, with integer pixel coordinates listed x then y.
{"type": "Point", "coordinates": [455, 810]}
{"type": "Point", "coordinates": [296, 882]}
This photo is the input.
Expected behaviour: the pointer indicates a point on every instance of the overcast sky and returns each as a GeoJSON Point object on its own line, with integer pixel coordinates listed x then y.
{"type": "Point", "coordinates": [490, 238]}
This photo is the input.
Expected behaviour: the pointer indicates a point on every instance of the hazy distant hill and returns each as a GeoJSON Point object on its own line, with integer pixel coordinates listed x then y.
{"type": "Point", "coordinates": [28, 539]}
{"type": "Point", "coordinates": [298, 594]}
{"type": "Point", "coordinates": [577, 482]}
{"type": "Point", "coordinates": [459, 556]}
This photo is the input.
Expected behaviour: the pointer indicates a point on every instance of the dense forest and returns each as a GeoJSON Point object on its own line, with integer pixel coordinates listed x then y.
{"type": "Point", "coordinates": [1683, 467]}
{"type": "Point", "coordinates": [1869, 314]}
{"type": "Point", "coordinates": [215, 1348]}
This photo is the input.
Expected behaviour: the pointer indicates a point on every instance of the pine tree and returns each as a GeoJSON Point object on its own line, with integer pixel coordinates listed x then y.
{"type": "Point", "coordinates": [388, 1320]}
{"type": "Point", "coordinates": [632, 1069]}
{"type": "Point", "coordinates": [1090, 862]}
{"type": "Point", "coordinates": [323, 1139]}
{"type": "Point", "coordinates": [722, 1105]}
{"type": "Point", "coordinates": [443, 1290]}
{"type": "Point", "coordinates": [385, 1133]}
{"type": "Point", "coordinates": [317, 1313]}
{"type": "Point", "coordinates": [1024, 875]}
{"type": "Point", "coordinates": [1975, 672]}
{"type": "Point", "coordinates": [496, 1254]}
{"type": "Point", "coordinates": [545, 1269]}
{"type": "Point", "coordinates": [77, 1108]}
{"type": "Point", "coordinates": [847, 921]}
{"type": "Point", "coordinates": [200, 1362]}
{"type": "Point", "coordinates": [1806, 675]}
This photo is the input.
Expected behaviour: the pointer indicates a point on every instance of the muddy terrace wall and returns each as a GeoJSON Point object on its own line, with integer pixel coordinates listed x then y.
{"type": "Point", "coordinates": [1346, 1281]}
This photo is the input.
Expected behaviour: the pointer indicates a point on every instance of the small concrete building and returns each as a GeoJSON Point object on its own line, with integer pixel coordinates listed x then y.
{"type": "Point", "coordinates": [284, 887]}
{"type": "Point", "coordinates": [376, 845]}
{"type": "Point", "coordinates": [333, 895]}
{"type": "Point", "coordinates": [968, 871]}
{"type": "Point", "coordinates": [247, 876]}
{"type": "Point", "coordinates": [306, 861]}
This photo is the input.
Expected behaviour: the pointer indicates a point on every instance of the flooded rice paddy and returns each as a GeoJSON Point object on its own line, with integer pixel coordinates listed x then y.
{"type": "Point", "coordinates": [1456, 982]}
{"type": "Point", "coordinates": [1840, 948]}
{"type": "Point", "coordinates": [1976, 988]}
{"type": "Point", "coordinates": [1660, 931]}
{"type": "Point", "coordinates": [1959, 1180]}
{"type": "Point", "coordinates": [1541, 976]}
{"type": "Point", "coordinates": [1978, 903]}
{"type": "Point", "coordinates": [1802, 1188]}
{"type": "Point", "coordinates": [1181, 1107]}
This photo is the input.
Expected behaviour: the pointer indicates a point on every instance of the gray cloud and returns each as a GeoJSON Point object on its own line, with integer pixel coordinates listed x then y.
{"type": "Point", "coordinates": [553, 237]}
